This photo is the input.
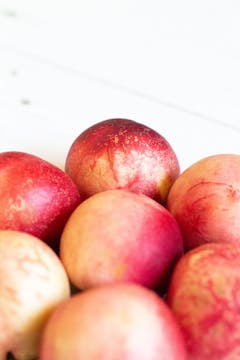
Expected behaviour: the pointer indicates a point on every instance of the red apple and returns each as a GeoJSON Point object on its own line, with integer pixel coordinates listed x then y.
{"type": "Point", "coordinates": [122, 154]}
{"type": "Point", "coordinates": [113, 322]}
{"type": "Point", "coordinates": [32, 283]}
{"type": "Point", "coordinates": [204, 295]}
{"type": "Point", "coordinates": [35, 196]}
{"type": "Point", "coordinates": [118, 235]}
{"type": "Point", "coordinates": [205, 200]}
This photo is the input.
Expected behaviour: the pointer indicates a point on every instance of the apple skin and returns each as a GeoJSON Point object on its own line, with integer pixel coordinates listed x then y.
{"type": "Point", "coordinates": [122, 154]}
{"type": "Point", "coordinates": [205, 200]}
{"type": "Point", "coordinates": [35, 196]}
{"type": "Point", "coordinates": [113, 322]}
{"type": "Point", "coordinates": [204, 295]}
{"type": "Point", "coordinates": [118, 235]}
{"type": "Point", "coordinates": [33, 282]}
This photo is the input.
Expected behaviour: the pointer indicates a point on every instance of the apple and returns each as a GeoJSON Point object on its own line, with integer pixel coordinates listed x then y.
{"type": "Point", "coordinates": [35, 196]}
{"type": "Point", "coordinates": [118, 235]}
{"type": "Point", "coordinates": [205, 200]}
{"type": "Point", "coordinates": [113, 322]}
{"type": "Point", "coordinates": [33, 282]}
{"type": "Point", "coordinates": [204, 295]}
{"type": "Point", "coordinates": [122, 154]}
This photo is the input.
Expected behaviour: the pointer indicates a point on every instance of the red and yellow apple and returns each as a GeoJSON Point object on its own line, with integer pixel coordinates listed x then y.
{"type": "Point", "coordinates": [35, 196]}
{"type": "Point", "coordinates": [204, 295]}
{"type": "Point", "coordinates": [113, 322]}
{"type": "Point", "coordinates": [33, 282]}
{"type": "Point", "coordinates": [205, 200]}
{"type": "Point", "coordinates": [118, 235]}
{"type": "Point", "coordinates": [122, 154]}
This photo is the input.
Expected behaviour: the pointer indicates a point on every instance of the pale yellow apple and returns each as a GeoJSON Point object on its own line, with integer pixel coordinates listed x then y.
{"type": "Point", "coordinates": [32, 283]}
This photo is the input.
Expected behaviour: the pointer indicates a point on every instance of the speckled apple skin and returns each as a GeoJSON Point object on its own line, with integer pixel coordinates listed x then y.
{"type": "Point", "coordinates": [205, 200]}
{"type": "Point", "coordinates": [122, 154]}
{"type": "Point", "coordinates": [35, 196]}
{"type": "Point", "coordinates": [204, 295]}
{"type": "Point", "coordinates": [113, 322]}
{"type": "Point", "coordinates": [117, 235]}
{"type": "Point", "coordinates": [33, 282]}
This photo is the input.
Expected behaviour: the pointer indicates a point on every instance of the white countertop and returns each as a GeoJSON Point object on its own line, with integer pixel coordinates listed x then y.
{"type": "Point", "coordinates": [173, 65]}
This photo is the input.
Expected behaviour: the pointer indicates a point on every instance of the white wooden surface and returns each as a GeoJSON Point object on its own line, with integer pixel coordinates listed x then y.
{"type": "Point", "coordinates": [173, 65]}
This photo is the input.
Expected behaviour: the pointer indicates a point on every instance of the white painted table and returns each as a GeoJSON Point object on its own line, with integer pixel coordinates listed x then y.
{"type": "Point", "coordinates": [173, 65]}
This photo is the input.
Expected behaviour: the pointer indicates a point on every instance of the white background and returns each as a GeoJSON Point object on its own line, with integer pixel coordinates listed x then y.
{"type": "Point", "coordinates": [173, 65]}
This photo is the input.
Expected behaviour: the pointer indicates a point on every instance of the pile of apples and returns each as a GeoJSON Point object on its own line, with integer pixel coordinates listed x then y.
{"type": "Point", "coordinates": [120, 255]}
